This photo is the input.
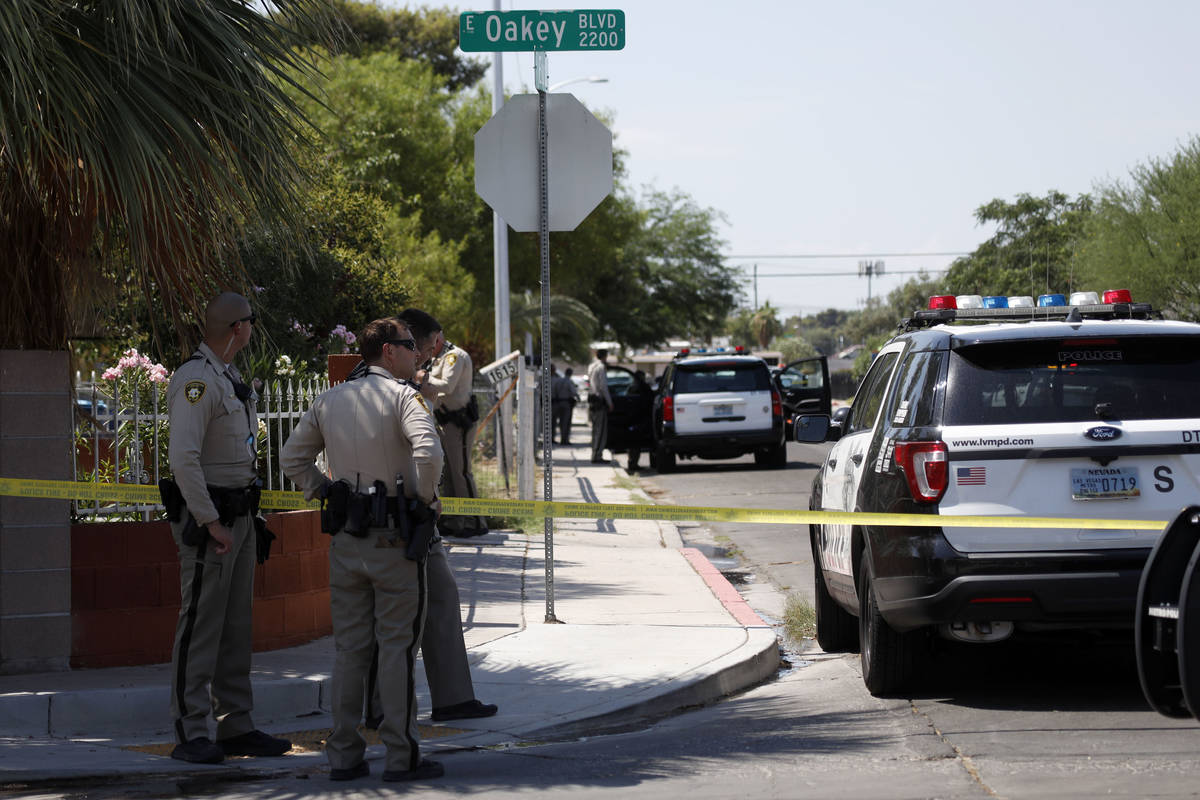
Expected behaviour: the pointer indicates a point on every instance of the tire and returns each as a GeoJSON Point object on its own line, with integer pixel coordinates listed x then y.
{"type": "Point", "coordinates": [837, 629]}
{"type": "Point", "coordinates": [664, 459]}
{"type": "Point", "coordinates": [760, 458]}
{"type": "Point", "coordinates": [888, 658]}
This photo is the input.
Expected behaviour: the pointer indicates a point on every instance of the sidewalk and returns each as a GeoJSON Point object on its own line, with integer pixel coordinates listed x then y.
{"type": "Point", "coordinates": [648, 627]}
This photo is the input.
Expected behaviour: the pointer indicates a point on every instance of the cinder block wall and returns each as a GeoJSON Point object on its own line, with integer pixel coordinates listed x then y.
{"type": "Point", "coordinates": [35, 535]}
{"type": "Point", "coordinates": [125, 590]}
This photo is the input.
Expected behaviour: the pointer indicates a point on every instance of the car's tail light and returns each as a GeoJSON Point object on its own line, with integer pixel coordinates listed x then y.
{"type": "Point", "coordinates": [776, 404]}
{"type": "Point", "coordinates": [668, 408]}
{"type": "Point", "coordinates": [924, 465]}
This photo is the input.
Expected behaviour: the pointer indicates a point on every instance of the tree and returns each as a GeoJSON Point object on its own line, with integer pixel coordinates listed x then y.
{"type": "Point", "coordinates": [765, 324]}
{"type": "Point", "coordinates": [1032, 250]}
{"type": "Point", "coordinates": [794, 348]}
{"type": "Point", "coordinates": [429, 35]}
{"type": "Point", "coordinates": [572, 324]}
{"type": "Point", "coordinates": [146, 127]}
{"type": "Point", "coordinates": [675, 280]}
{"type": "Point", "coordinates": [1145, 234]}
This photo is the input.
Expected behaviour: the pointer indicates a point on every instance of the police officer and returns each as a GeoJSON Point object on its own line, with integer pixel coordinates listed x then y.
{"type": "Point", "coordinates": [447, 385]}
{"type": "Point", "coordinates": [375, 429]}
{"type": "Point", "coordinates": [212, 456]}
{"type": "Point", "coordinates": [599, 404]}
{"type": "Point", "coordinates": [451, 692]}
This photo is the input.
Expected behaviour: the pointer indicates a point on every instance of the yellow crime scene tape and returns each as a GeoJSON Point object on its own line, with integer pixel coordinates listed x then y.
{"type": "Point", "coordinates": [293, 501]}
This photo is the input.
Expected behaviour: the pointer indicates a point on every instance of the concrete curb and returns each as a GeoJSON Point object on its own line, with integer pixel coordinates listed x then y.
{"type": "Point", "coordinates": [755, 661]}
{"type": "Point", "coordinates": [133, 711]}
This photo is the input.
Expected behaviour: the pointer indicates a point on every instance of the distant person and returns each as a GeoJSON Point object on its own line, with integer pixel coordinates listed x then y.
{"type": "Point", "coordinates": [599, 404]}
{"type": "Point", "coordinates": [563, 399]}
{"type": "Point", "coordinates": [641, 411]}
{"type": "Point", "coordinates": [212, 501]}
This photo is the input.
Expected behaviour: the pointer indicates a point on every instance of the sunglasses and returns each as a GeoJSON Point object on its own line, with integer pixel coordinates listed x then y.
{"type": "Point", "coordinates": [251, 319]}
{"type": "Point", "coordinates": [411, 344]}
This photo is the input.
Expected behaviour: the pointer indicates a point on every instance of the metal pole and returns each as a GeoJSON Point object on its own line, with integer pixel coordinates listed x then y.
{"type": "Point", "coordinates": [500, 277]}
{"type": "Point", "coordinates": [544, 245]}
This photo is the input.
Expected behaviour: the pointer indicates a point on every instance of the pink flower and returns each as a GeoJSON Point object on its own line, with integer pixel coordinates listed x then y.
{"type": "Point", "coordinates": [111, 374]}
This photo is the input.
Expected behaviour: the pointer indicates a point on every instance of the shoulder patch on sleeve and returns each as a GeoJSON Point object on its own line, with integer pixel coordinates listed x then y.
{"type": "Point", "coordinates": [424, 405]}
{"type": "Point", "coordinates": [450, 359]}
{"type": "Point", "coordinates": [194, 390]}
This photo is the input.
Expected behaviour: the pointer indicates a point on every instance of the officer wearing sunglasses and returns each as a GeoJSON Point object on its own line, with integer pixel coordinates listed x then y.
{"type": "Point", "coordinates": [212, 455]}
{"type": "Point", "coordinates": [376, 431]}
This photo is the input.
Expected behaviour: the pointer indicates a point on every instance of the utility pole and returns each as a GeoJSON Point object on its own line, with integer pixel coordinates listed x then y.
{"type": "Point", "coordinates": [756, 287]}
{"type": "Point", "coordinates": [869, 268]}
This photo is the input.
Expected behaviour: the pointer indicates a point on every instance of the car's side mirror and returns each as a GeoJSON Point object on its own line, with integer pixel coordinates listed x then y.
{"type": "Point", "coordinates": [812, 428]}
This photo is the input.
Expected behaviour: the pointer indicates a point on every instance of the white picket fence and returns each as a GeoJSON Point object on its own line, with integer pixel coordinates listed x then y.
{"type": "Point", "coordinates": [122, 435]}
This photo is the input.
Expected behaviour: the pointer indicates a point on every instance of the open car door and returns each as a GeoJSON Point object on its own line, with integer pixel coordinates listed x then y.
{"type": "Point", "coordinates": [804, 388]}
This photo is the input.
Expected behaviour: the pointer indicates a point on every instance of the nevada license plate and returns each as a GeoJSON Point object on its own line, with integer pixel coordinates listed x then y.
{"type": "Point", "coordinates": [723, 410]}
{"type": "Point", "coordinates": [1105, 483]}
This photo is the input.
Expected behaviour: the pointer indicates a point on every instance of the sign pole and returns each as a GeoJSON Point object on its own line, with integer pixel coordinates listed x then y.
{"type": "Point", "coordinates": [541, 79]}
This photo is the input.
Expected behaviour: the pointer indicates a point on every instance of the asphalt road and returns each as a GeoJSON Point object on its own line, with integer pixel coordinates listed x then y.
{"type": "Point", "coordinates": [770, 559]}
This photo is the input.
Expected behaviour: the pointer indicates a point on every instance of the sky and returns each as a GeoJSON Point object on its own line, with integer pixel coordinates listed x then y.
{"type": "Point", "coordinates": [870, 130]}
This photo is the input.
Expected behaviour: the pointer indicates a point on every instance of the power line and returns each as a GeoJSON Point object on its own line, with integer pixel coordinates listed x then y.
{"type": "Point", "coordinates": [836, 274]}
{"type": "Point", "coordinates": [851, 255]}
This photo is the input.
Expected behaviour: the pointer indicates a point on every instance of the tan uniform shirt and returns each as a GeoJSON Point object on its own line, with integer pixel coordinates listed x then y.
{"type": "Point", "coordinates": [213, 442]}
{"type": "Point", "coordinates": [450, 375]}
{"type": "Point", "coordinates": [370, 429]}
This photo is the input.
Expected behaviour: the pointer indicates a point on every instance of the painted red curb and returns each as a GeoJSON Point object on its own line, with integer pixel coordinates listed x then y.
{"type": "Point", "coordinates": [737, 607]}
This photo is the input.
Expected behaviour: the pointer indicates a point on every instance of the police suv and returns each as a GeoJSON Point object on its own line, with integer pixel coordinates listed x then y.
{"type": "Point", "coordinates": [718, 406]}
{"type": "Point", "coordinates": [1082, 410]}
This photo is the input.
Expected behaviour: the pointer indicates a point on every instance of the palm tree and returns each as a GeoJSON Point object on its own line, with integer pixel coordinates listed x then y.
{"type": "Point", "coordinates": [572, 323]}
{"type": "Point", "coordinates": [765, 324]}
{"type": "Point", "coordinates": [137, 138]}
{"type": "Point", "coordinates": [147, 131]}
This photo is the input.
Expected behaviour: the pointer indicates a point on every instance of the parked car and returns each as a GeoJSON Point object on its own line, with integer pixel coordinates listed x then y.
{"type": "Point", "coordinates": [718, 406]}
{"type": "Point", "coordinates": [1090, 411]}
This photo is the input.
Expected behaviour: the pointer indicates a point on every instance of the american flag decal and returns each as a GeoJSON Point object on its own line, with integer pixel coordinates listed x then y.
{"type": "Point", "coordinates": [972, 476]}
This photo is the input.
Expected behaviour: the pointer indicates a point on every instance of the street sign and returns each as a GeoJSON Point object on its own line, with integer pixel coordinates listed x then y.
{"type": "Point", "coordinates": [580, 162]}
{"type": "Point", "coordinates": [523, 31]}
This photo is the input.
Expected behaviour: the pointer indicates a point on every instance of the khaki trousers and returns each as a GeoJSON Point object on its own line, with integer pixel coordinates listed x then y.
{"type": "Point", "coordinates": [375, 594]}
{"type": "Point", "coordinates": [442, 647]}
{"type": "Point", "coordinates": [210, 662]}
{"type": "Point", "coordinates": [457, 479]}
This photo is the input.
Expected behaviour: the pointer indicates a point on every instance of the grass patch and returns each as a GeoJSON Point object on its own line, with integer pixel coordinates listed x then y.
{"type": "Point", "coordinates": [799, 619]}
{"type": "Point", "coordinates": [731, 549]}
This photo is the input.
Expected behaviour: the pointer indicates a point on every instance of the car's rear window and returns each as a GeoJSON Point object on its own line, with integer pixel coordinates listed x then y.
{"type": "Point", "coordinates": [1074, 380]}
{"type": "Point", "coordinates": [730, 377]}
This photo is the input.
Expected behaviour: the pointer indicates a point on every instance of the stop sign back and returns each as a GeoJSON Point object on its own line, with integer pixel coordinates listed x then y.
{"type": "Point", "coordinates": [579, 152]}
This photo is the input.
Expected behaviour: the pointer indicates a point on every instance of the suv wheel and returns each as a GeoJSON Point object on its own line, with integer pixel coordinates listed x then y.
{"type": "Point", "coordinates": [664, 459]}
{"type": "Point", "coordinates": [888, 658]}
{"type": "Point", "coordinates": [837, 629]}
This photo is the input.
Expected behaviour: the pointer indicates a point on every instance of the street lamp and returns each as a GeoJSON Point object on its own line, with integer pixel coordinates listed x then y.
{"type": "Point", "coordinates": [589, 79]}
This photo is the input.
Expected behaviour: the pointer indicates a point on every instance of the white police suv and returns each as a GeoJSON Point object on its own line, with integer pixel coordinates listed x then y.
{"type": "Point", "coordinates": [718, 406]}
{"type": "Point", "coordinates": [1084, 409]}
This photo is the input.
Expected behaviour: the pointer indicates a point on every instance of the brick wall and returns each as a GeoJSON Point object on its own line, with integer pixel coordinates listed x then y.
{"type": "Point", "coordinates": [125, 590]}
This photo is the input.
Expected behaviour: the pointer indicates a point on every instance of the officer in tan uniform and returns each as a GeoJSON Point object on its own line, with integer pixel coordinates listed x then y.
{"type": "Point", "coordinates": [447, 386]}
{"type": "Point", "coordinates": [443, 650]}
{"type": "Point", "coordinates": [376, 432]}
{"type": "Point", "coordinates": [212, 457]}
